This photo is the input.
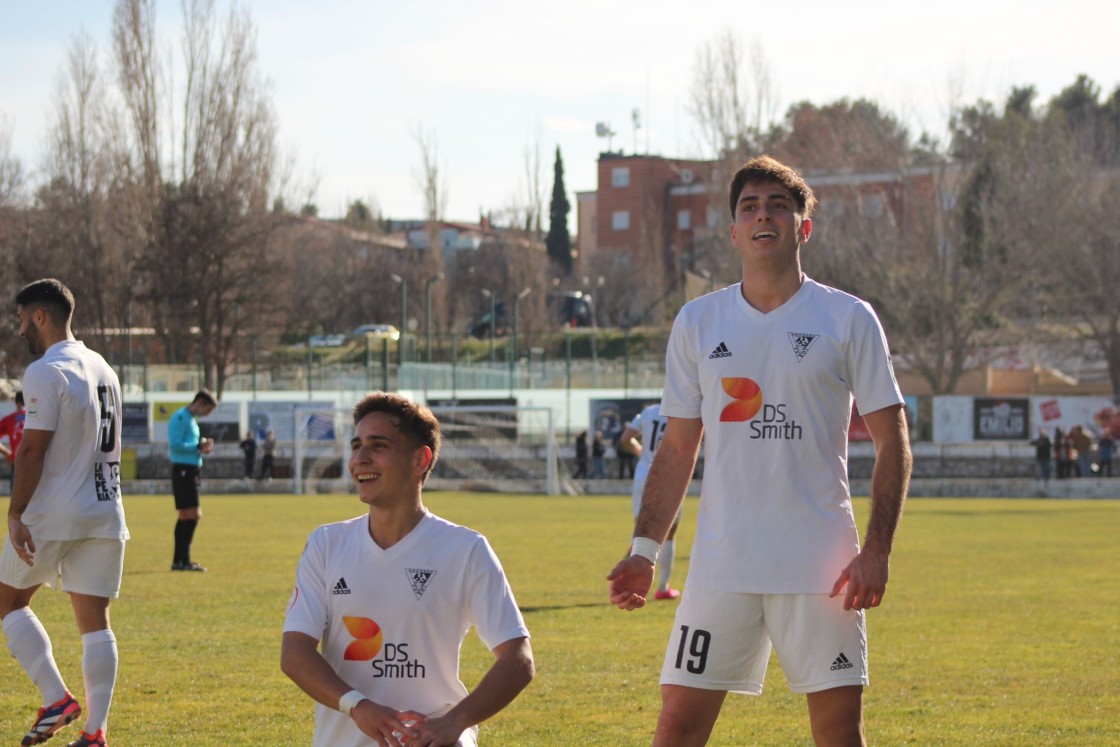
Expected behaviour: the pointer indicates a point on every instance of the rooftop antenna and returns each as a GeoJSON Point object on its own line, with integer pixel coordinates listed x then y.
{"type": "Point", "coordinates": [603, 129]}
{"type": "Point", "coordinates": [636, 118]}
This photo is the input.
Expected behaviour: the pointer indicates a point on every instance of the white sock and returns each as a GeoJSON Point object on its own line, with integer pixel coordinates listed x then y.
{"type": "Point", "coordinates": [99, 667]}
{"type": "Point", "coordinates": [664, 565]}
{"type": "Point", "coordinates": [29, 643]}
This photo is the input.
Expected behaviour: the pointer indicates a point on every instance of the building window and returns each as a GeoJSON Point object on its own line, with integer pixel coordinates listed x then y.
{"type": "Point", "coordinates": [620, 220]}
{"type": "Point", "coordinates": [620, 177]}
{"type": "Point", "coordinates": [684, 220]}
{"type": "Point", "coordinates": [713, 216]}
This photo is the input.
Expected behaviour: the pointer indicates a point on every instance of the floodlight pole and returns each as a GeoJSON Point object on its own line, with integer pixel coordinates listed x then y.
{"type": "Point", "coordinates": [493, 324]}
{"type": "Point", "coordinates": [428, 315]}
{"type": "Point", "coordinates": [404, 317]}
{"type": "Point", "coordinates": [513, 360]}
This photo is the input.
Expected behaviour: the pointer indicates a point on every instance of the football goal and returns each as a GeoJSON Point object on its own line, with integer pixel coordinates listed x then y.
{"type": "Point", "coordinates": [485, 447]}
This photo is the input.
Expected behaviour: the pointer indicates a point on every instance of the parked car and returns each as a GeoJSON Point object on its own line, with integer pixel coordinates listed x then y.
{"type": "Point", "coordinates": [480, 328]}
{"type": "Point", "coordinates": [376, 331]}
{"type": "Point", "coordinates": [572, 309]}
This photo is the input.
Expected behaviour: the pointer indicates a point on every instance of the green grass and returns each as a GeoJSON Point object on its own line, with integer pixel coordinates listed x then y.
{"type": "Point", "coordinates": [1000, 627]}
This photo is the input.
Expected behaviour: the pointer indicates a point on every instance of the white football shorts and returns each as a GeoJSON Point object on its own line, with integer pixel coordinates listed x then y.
{"type": "Point", "coordinates": [90, 566]}
{"type": "Point", "coordinates": [722, 641]}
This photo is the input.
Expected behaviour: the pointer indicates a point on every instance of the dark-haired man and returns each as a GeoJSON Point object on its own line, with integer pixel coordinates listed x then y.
{"type": "Point", "coordinates": [766, 371]}
{"type": "Point", "coordinates": [186, 446]}
{"type": "Point", "coordinates": [383, 601]}
{"type": "Point", "coordinates": [65, 519]}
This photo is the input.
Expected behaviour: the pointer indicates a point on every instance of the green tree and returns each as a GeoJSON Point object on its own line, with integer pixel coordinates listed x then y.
{"type": "Point", "coordinates": [559, 241]}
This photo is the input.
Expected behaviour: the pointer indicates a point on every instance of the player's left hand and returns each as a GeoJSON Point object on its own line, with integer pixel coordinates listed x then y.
{"type": "Point", "coordinates": [441, 731]}
{"type": "Point", "coordinates": [866, 580]}
{"type": "Point", "coordinates": [20, 536]}
{"type": "Point", "coordinates": [630, 581]}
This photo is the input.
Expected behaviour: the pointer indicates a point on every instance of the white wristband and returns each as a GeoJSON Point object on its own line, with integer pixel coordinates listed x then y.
{"type": "Point", "coordinates": [348, 700]}
{"type": "Point", "coordinates": [645, 547]}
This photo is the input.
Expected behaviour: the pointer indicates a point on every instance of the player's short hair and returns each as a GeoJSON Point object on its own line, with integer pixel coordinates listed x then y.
{"type": "Point", "coordinates": [767, 170]}
{"type": "Point", "coordinates": [50, 295]}
{"type": "Point", "coordinates": [414, 420]}
{"type": "Point", "coordinates": [19, 398]}
{"type": "Point", "coordinates": [205, 397]}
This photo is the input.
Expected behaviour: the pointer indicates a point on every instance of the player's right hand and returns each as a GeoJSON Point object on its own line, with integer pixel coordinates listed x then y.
{"type": "Point", "coordinates": [630, 581]}
{"type": "Point", "coordinates": [20, 536]}
{"type": "Point", "coordinates": [382, 724]}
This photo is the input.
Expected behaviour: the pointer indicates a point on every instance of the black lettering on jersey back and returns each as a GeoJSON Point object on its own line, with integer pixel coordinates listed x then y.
{"type": "Point", "coordinates": [419, 578]}
{"type": "Point", "coordinates": [107, 480]}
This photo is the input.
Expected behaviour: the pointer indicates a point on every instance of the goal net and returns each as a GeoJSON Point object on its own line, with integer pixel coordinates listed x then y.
{"type": "Point", "coordinates": [485, 447]}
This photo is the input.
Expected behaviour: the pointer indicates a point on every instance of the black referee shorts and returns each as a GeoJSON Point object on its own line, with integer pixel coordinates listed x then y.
{"type": "Point", "coordinates": [186, 481]}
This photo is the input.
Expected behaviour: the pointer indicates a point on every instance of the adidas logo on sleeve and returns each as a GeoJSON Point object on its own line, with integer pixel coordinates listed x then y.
{"type": "Point", "coordinates": [340, 587]}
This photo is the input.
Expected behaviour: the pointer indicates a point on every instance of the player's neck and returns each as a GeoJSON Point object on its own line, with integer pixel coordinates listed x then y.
{"type": "Point", "coordinates": [389, 525]}
{"type": "Point", "coordinates": [768, 288]}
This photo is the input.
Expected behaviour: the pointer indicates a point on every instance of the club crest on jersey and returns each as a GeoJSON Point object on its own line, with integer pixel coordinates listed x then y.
{"type": "Point", "coordinates": [419, 578]}
{"type": "Point", "coordinates": [801, 342]}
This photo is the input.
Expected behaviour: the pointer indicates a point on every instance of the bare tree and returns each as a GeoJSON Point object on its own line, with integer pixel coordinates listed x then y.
{"type": "Point", "coordinates": [12, 232]}
{"type": "Point", "coordinates": [732, 105]}
{"type": "Point", "coordinates": [431, 180]}
{"type": "Point", "coordinates": [11, 170]}
{"type": "Point", "coordinates": [79, 233]}
{"type": "Point", "coordinates": [204, 220]}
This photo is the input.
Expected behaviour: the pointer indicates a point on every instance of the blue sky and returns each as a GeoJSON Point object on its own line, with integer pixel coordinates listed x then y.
{"type": "Point", "coordinates": [492, 78]}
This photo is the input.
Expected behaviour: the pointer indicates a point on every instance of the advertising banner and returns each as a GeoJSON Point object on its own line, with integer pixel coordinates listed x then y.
{"type": "Point", "coordinates": [1000, 419]}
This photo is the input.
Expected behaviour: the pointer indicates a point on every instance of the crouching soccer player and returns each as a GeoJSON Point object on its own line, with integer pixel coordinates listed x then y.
{"type": "Point", "coordinates": [383, 601]}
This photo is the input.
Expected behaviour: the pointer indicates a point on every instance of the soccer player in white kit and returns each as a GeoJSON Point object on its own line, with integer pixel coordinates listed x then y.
{"type": "Point", "coordinates": [641, 436]}
{"type": "Point", "coordinates": [383, 601]}
{"type": "Point", "coordinates": [766, 371]}
{"type": "Point", "coordinates": [65, 518]}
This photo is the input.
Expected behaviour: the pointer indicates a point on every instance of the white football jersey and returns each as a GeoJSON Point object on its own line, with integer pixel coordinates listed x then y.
{"type": "Point", "coordinates": [650, 425]}
{"type": "Point", "coordinates": [390, 622]}
{"type": "Point", "coordinates": [73, 392]}
{"type": "Point", "coordinates": [775, 395]}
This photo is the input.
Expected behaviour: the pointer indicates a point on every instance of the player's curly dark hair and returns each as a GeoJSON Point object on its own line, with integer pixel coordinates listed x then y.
{"type": "Point", "coordinates": [414, 420]}
{"type": "Point", "coordinates": [765, 170]}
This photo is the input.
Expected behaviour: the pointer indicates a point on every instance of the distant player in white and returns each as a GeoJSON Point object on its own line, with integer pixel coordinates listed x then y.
{"type": "Point", "coordinates": [383, 601]}
{"type": "Point", "coordinates": [641, 436]}
{"type": "Point", "coordinates": [766, 371]}
{"type": "Point", "coordinates": [65, 517]}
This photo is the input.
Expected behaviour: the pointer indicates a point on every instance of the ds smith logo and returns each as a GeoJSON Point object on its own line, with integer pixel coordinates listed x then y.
{"type": "Point", "coordinates": [394, 663]}
{"type": "Point", "coordinates": [746, 396]}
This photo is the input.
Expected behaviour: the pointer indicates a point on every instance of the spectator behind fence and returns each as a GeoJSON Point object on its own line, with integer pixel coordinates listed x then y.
{"type": "Point", "coordinates": [1104, 453]}
{"type": "Point", "coordinates": [1042, 449]}
{"type": "Point", "coordinates": [1062, 453]}
{"type": "Point", "coordinates": [1083, 444]}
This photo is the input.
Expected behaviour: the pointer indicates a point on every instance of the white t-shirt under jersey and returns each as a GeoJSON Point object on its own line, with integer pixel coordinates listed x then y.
{"type": "Point", "coordinates": [650, 425]}
{"type": "Point", "coordinates": [72, 391]}
{"type": "Point", "coordinates": [775, 394]}
{"type": "Point", "coordinates": [391, 622]}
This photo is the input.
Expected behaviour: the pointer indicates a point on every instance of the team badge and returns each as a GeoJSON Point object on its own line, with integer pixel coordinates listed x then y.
{"type": "Point", "coordinates": [419, 578]}
{"type": "Point", "coordinates": [801, 342]}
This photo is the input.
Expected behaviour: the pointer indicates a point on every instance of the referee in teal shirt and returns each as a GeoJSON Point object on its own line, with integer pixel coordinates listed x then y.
{"type": "Point", "coordinates": [186, 449]}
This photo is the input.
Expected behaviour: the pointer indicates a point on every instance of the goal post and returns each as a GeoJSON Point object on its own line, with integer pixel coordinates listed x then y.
{"type": "Point", "coordinates": [485, 447]}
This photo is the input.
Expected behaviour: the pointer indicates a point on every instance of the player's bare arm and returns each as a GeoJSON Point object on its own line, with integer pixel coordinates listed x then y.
{"type": "Point", "coordinates": [30, 458]}
{"type": "Point", "coordinates": [301, 661]}
{"type": "Point", "coordinates": [629, 441]}
{"type": "Point", "coordinates": [669, 476]}
{"type": "Point", "coordinates": [511, 672]}
{"type": "Point", "coordinates": [866, 576]}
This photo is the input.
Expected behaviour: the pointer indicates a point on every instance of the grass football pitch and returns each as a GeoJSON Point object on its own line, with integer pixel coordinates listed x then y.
{"type": "Point", "coordinates": [1001, 626]}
